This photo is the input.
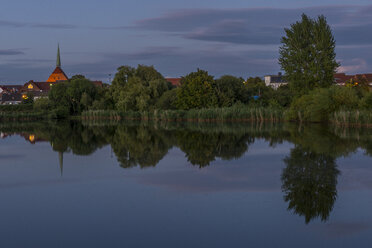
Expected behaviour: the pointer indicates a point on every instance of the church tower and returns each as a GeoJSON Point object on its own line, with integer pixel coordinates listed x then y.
{"type": "Point", "coordinates": [58, 74]}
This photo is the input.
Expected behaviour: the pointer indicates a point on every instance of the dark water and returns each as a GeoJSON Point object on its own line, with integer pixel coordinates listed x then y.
{"type": "Point", "coordinates": [77, 184]}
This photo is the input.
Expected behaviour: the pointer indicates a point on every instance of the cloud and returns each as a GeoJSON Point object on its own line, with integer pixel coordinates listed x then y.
{"type": "Point", "coordinates": [356, 65]}
{"type": "Point", "coordinates": [260, 25]}
{"type": "Point", "coordinates": [11, 52]}
{"type": "Point", "coordinates": [54, 26]}
{"type": "Point", "coordinates": [149, 53]}
{"type": "Point", "coordinates": [13, 24]}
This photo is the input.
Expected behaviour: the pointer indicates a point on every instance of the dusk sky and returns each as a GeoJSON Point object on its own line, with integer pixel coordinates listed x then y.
{"type": "Point", "coordinates": [238, 37]}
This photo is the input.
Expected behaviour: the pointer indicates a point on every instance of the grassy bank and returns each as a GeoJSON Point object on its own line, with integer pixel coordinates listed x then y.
{"type": "Point", "coordinates": [194, 115]}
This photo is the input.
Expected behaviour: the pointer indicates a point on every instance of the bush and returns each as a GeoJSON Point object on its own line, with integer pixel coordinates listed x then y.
{"type": "Point", "coordinates": [366, 101]}
{"type": "Point", "coordinates": [320, 103]}
{"type": "Point", "coordinates": [167, 100]}
{"type": "Point", "coordinates": [42, 104]}
{"type": "Point", "coordinates": [16, 108]}
{"type": "Point", "coordinates": [59, 113]}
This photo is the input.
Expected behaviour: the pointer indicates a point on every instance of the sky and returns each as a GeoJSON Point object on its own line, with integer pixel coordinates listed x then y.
{"type": "Point", "coordinates": [237, 37]}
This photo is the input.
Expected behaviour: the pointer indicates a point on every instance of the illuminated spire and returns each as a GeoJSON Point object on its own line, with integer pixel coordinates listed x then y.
{"type": "Point", "coordinates": [58, 58]}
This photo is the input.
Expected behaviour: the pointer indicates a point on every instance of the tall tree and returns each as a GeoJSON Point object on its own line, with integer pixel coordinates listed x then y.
{"type": "Point", "coordinates": [307, 54]}
{"type": "Point", "coordinates": [138, 88]}
{"type": "Point", "coordinates": [196, 91]}
{"type": "Point", "coordinates": [229, 89]}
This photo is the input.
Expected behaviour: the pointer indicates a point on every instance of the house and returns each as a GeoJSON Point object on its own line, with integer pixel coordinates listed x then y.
{"type": "Point", "coordinates": [97, 83]}
{"type": "Point", "coordinates": [275, 81]}
{"type": "Point", "coordinates": [11, 98]}
{"type": "Point", "coordinates": [176, 82]}
{"type": "Point", "coordinates": [9, 88]}
{"type": "Point", "coordinates": [342, 78]}
{"type": "Point", "coordinates": [36, 89]}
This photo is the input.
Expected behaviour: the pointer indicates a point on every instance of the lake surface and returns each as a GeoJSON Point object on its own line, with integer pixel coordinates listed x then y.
{"type": "Point", "coordinates": [73, 184]}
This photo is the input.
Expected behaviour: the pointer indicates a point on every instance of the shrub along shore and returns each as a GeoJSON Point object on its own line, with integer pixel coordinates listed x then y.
{"type": "Point", "coordinates": [238, 114]}
{"type": "Point", "coordinates": [23, 113]}
{"type": "Point", "coordinates": [354, 118]}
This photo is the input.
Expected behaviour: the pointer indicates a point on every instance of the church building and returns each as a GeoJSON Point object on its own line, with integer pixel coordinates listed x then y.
{"type": "Point", "coordinates": [13, 94]}
{"type": "Point", "coordinates": [58, 74]}
{"type": "Point", "coordinates": [41, 89]}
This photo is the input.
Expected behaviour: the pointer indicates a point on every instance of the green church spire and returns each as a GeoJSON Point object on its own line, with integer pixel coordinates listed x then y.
{"type": "Point", "coordinates": [58, 58]}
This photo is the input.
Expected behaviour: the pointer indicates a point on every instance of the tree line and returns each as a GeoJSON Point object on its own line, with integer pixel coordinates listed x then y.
{"type": "Point", "coordinates": [307, 55]}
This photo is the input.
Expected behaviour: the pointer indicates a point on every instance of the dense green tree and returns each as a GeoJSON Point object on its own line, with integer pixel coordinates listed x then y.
{"type": "Point", "coordinates": [76, 90]}
{"type": "Point", "coordinates": [58, 96]}
{"type": "Point", "coordinates": [253, 81]}
{"type": "Point", "coordinates": [167, 100]}
{"type": "Point", "coordinates": [137, 89]}
{"type": "Point", "coordinates": [307, 54]}
{"type": "Point", "coordinates": [77, 76]}
{"type": "Point", "coordinates": [229, 90]}
{"type": "Point", "coordinates": [197, 91]}
{"type": "Point", "coordinates": [74, 96]}
{"type": "Point", "coordinates": [148, 74]}
{"type": "Point", "coordinates": [122, 75]}
{"type": "Point", "coordinates": [134, 96]}
{"type": "Point", "coordinates": [41, 104]}
{"type": "Point", "coordinates": [283, 96]}
{"type": "Point", "coordinates": [255, 87]}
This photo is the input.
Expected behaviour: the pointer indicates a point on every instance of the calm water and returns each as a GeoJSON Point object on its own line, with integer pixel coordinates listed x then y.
{"type": "Point", "coordinates": [77, 184]}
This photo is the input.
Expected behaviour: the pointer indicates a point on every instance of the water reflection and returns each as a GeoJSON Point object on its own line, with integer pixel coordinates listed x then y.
{"type": "Point", "coordinates": [309, 179]}
{"type": "Point", "coordinates": [309, 183]}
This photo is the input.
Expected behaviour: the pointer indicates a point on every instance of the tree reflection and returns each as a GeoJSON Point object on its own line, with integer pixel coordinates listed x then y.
{"type": "Point", "coordinates": [139, 145]}
{"type": "Point", "coordinates": [309, 183]}
{"type": "Point", "coordinates": [201, 148]}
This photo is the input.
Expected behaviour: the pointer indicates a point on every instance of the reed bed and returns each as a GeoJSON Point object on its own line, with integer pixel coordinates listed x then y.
{"type": "Point", "coordinates": [195, 115]}
{"type": "Point", "coordinates": [352, 118]}
{"type": "Point", "coordinates": [22, 116]}
{"type": "Point", "coordinates": [16, 108]}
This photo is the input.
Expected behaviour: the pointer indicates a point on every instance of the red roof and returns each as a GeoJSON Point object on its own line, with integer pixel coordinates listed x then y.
{"type": "Point", "coordinates": [97, 83]}
{"type": "Point", "coordinates": [37, 86]}
{"type": "Point", "coordinates": [342, 78]}
{"type": "Point", "coordinates": [174, 81]}
{"type": "Point", "coordinates": [11, 88]}
{"type": "Point", "coordinates": [57, 75]}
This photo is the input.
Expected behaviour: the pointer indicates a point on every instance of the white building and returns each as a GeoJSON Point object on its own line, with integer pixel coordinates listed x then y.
{"type": "Point", "coordinates": [275, 81]}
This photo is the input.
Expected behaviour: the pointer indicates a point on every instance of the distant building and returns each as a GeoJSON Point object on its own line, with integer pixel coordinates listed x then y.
{"type": "Point", "coordinates": [9, 88]}
{"type": "Point", "coordinates": [342, 78]}
{"type": "Point", "coordinates": [275, 81]}
{"type": "Point", "coordinates": [11, 98]}
{"type": "Point", "coordinates": [176, 82]}
{"type": "Point", "coordinates": [41, 89]}
{"type": "Point", "coordinates": [36, 89]}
